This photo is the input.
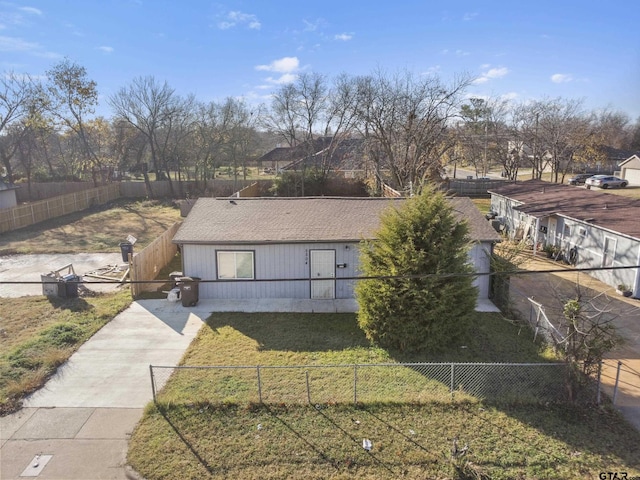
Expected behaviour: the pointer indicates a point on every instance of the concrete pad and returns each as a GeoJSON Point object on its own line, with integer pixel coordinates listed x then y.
{"type": "Point", "coordinates": [71, 459]}
{"type": "Point", "coordinates": [112, 368]}
{"type": "Point", "coordinates": [11, 423]}
{"type": "Point", "coordinates": [110, 423]}
{"type": "Point", "coordinates": [48, 423]}
{"type": "Point", "coordinates": [28, 268]}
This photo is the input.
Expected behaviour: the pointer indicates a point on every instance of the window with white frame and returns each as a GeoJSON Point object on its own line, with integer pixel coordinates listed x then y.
{"type": "Point", "coordinates": [582, 231]}
{"type": "Point", "coordinates": [235, 265]}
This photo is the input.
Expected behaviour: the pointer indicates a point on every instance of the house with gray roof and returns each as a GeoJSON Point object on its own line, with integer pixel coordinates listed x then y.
{"type": "Point", "coordinates": [591, 228]}
{"type": "Point", "coordinates": [297, 248]}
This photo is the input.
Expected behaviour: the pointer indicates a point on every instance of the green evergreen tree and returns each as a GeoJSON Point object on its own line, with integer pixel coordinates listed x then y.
{"type": "Point", "coordinates": [416, 312]}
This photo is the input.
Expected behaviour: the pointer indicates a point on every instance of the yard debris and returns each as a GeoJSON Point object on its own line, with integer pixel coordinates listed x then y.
{"type": "Point", "coordinates": [457, 452]}
{"type": "Point", "coordinates": [259, 426]}
{"type": "Point", "coordinates": [412, 432]}
{"type": "Point", "coordinates": [366, 444]}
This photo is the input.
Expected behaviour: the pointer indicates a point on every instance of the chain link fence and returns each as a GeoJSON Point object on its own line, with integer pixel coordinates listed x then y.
{"type": "Point", "coordinates": [360, 383]}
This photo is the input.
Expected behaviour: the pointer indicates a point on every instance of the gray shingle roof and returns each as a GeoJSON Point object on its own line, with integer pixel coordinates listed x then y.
{"type": "Point", "coordinates": [541, 199]}
{"type": "Point", "coordinates": [307, 219]}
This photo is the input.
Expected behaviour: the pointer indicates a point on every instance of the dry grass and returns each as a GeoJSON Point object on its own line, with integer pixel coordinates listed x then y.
{"type": "Point", "coordinates": [98, 229]}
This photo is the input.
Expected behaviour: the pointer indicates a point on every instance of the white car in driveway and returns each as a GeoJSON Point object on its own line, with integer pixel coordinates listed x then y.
{"type": "Point", "coordinates": [605, 181]}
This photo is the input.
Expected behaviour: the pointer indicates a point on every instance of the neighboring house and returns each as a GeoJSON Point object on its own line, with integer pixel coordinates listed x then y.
{"type": "Point", "coordinates": [630, 170]}
{"type": "Point", "coordinates": [593, 229]}
{"type": "Point", "coordinates": [346, 157]}
{"type": "Point", "coordinates": [7, 195]}
{"type": "Point", "coordinates": [276, 247]}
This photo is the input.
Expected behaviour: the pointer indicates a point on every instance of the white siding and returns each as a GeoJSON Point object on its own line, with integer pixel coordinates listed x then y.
{"type": "Point", "coordinates": [280, 261]}
{"type": "Point", "coordinates": [291, 261]}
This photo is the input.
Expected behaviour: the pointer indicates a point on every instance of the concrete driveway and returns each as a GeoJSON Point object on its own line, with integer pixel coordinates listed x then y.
{"type": "Point", "coordinates": [79, 424]}
{"type": "Point", "coordinates": [28, 268]}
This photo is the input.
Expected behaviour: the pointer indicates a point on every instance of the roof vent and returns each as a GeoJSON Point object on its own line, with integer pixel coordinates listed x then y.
{"type": "Point", "coordinates": [605, 206]}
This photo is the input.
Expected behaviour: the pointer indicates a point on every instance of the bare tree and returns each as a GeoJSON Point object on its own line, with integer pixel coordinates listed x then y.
{"type": "Point", "coordinates": [153, 109]}
{"type": "Point", "coordinates": [19, 96]}
{"type": "Point", "coordinates": [72, 98]}
{"type": "Point", "coordinates": [406, 121]}
{"type": "Point", "coordinates": [318, 116]}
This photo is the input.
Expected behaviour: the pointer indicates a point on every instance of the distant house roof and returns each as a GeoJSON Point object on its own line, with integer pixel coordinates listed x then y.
{"type": "Point", "coordinates": [7, 186]}
{"type": "Point", "coordinates": [632, 162]}
{"type": "Point", "coordinates": [345, 155]}
{"type": "Point", "coordinates": [541, 199]}
{"type": "Point", "coordinates": [305, 219]}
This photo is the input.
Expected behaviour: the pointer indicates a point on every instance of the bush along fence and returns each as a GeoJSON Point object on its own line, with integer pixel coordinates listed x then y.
{"type": "Point", "coordinates": [361, 383]}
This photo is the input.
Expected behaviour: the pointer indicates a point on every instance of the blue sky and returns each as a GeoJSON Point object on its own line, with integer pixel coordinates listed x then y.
{"type": "Point", "coordinates": [522, 50]}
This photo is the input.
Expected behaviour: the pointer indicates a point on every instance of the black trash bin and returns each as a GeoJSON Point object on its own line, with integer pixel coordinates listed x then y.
{"type": "Point", "coordinates": [189, 291]}
{"type": "Point", "coordinates": [126, 248]}
{"type": "Point", "coordinates": [68, 286]}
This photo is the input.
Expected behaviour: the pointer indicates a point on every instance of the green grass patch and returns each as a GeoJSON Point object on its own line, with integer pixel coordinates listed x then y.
{"type": "Point", "coordinates": [189, 435]}
{"type": "Point", "coordinates": [195, 441]}
{"type": "Point", "coordinates": [42, 333]}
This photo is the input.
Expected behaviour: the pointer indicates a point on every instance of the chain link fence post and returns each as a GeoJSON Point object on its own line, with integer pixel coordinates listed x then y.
{"type": "Point", "coordinates": [452, 384]}
{"type": "Point", "coordinates": [259, 383]}
{"type": "Point", "coordinates": [598, 391]}
{"type": "Point", "coordinates": [308, 388]}
{"type": "Point", "coordinates": [615, 387]}
{"type": "Point", "coordinates": [153, 385]}
{"type": "Point", "coordinates": [355, 384]}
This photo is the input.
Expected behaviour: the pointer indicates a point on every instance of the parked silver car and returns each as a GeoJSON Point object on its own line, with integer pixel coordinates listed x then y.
{"type": "Point", "coordinates": [605, 181]}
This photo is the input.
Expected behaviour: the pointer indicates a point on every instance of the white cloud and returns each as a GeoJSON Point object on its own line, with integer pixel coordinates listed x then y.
{"type": "Point", "coordinates": [433, 70]}
{"type": "Point", "coordinates": [509, 96]}
{"type": "Point", "coordinates": [461, 53]}
{"type": "Point", "coordinates": [287, 66]}
{"type": "Point", "coordinates": [343, 36]}
{"type": "Point", "coordinates": [31, 10]}
{"type": "Point", "coordinates": [561, 78]}
{"type": "Point", "coordinates": [491, 74]}
{"type": "Point", "coordinates": [282, 65]}
{"type": "Point", "coordinates": [106, 49]}
{"type": "Point", "coordinates": [282, 79]}
{"type": "Point", "coordinates": [235, 18]}
{"type": "Point", "coordinates": [13, 44]}
{"type": "Point", "coordinates": [469, 16]}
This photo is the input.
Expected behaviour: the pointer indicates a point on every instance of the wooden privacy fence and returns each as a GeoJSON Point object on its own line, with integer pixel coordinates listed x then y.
{"type": "Point", "coordinates": [147, 263]}
{"type": "Point", "coordinates": [25, 215]}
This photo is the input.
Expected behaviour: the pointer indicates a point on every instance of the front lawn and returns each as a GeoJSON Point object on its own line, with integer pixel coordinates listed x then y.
{"type": "Point", "coordinates": [187, 436]}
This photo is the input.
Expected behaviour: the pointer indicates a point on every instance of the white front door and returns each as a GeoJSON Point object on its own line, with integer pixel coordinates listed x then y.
{"type": "Point", "coordinates": [323, 265]}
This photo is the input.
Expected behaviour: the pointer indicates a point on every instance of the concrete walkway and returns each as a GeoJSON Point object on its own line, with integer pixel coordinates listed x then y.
{"type": "Point", "coordinates": [545, 287]}
{"type": "Point", "coordinates": [79, 424]}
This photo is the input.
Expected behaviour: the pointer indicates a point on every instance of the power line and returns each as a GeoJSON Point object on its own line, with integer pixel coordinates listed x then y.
{"type": "Point", "coordinates": [363, 277]}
